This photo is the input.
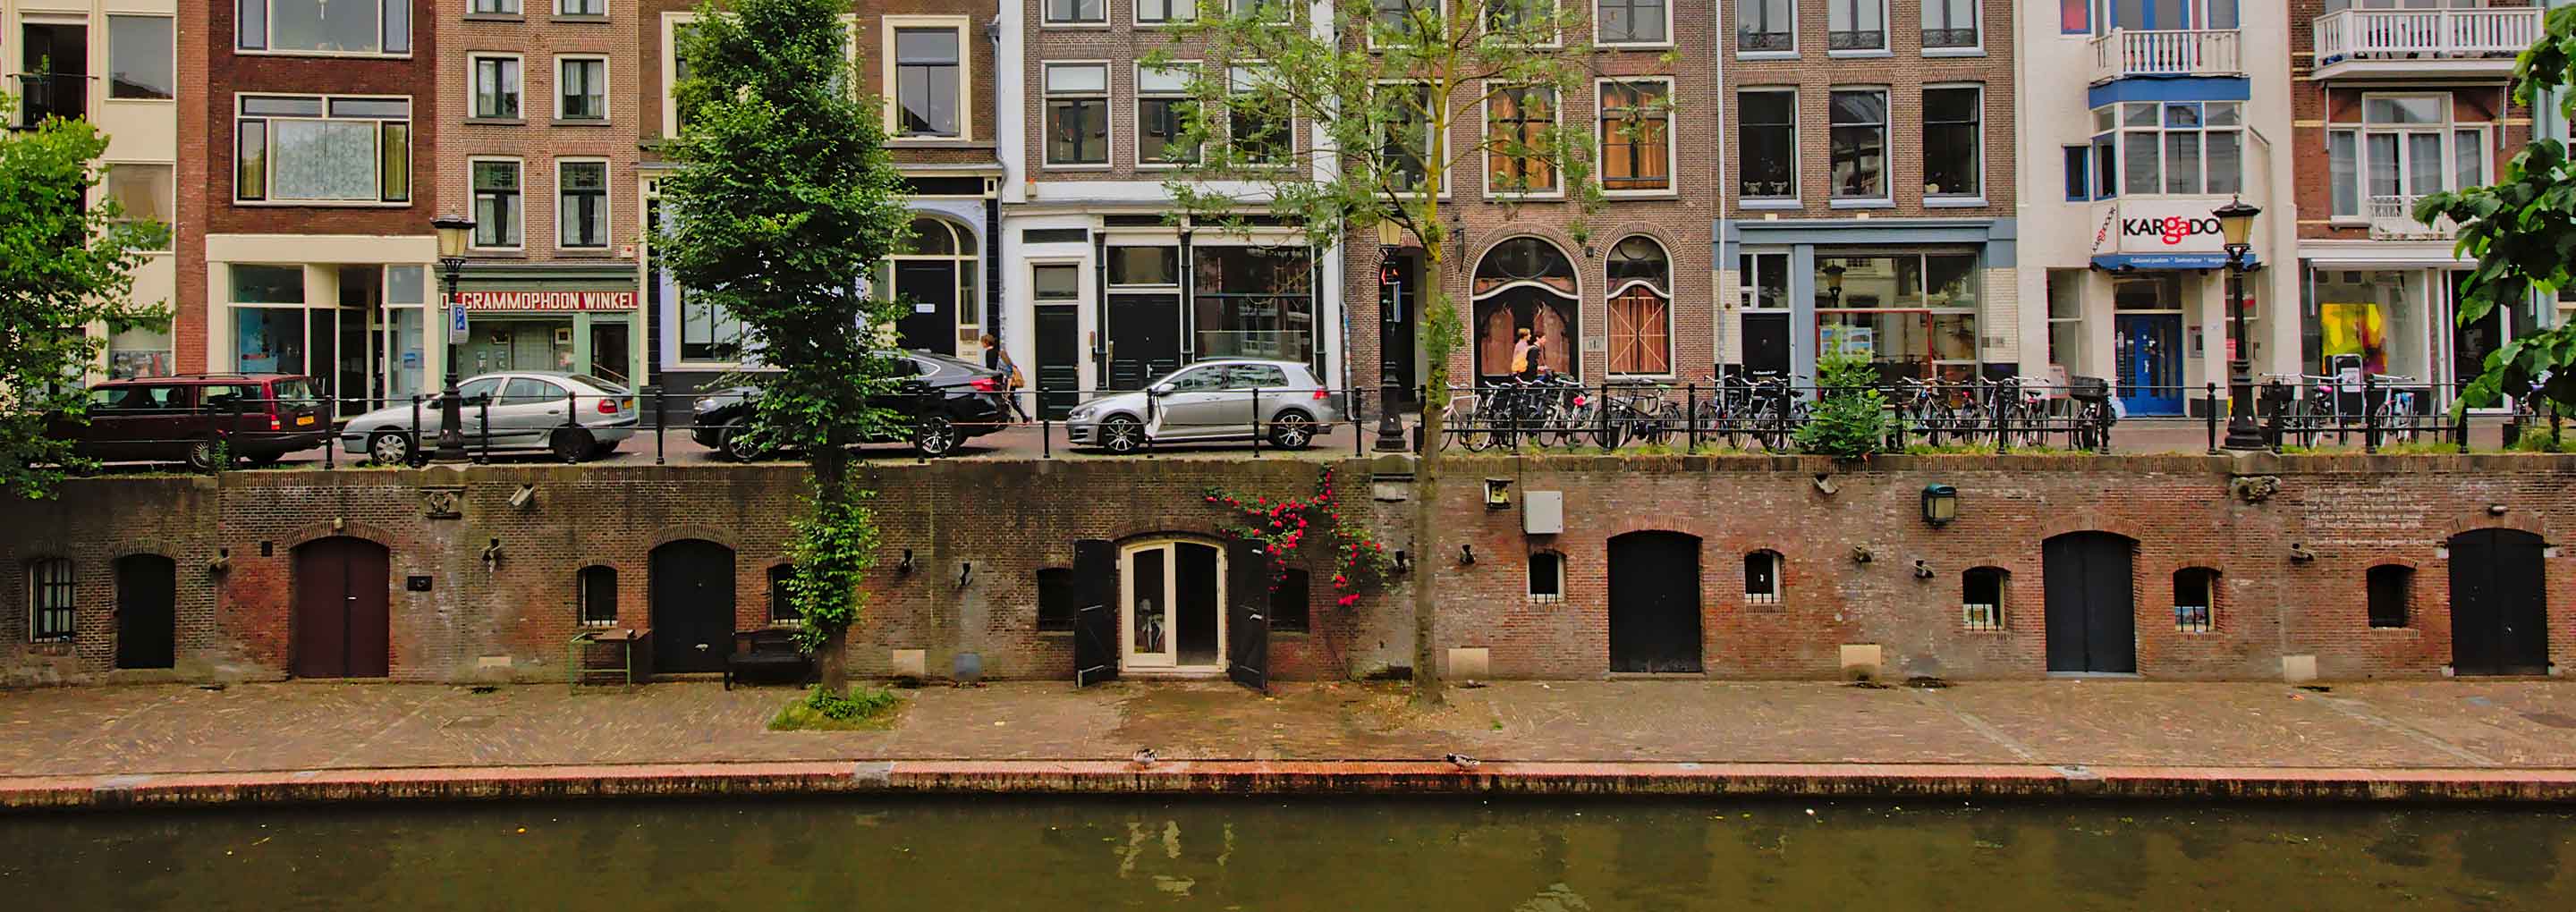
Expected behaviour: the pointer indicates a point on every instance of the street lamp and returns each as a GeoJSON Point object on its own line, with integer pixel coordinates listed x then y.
{"type": "Point", "coordinates": [1834, 282]}
{"type": "Point", "coordinates": [453, 233]}
{"type": "Point", "coordinates": [1390, 430]}
{"type": "Point", "coordinates": [2236, 227]}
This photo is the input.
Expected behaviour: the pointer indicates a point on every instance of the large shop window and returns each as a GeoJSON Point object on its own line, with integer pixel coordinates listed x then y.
{"type": "Point", "coordinates": [139, 57]}
{"type": "Point", "coordinates": [268, 318]}
{"type": "Point", "coordinates": [1162, 104]}
{"type": "Point", "coordinates": [497, 208]}
{"type": "Point", "coordinates": [1077, 114]}
{"type": "Point", "coordinates": [1953, 147]}
{"type": "Point", "coordinates": [324, 27]}
{"type": "Point", "coordinates": [1517, 120]}
{"type": "Point", "coordinates": [928, 82]}
{"type": "Point", "coordinates": [1859, 153]}
{"type": "Point", "coordinates": [1636, 136]}
{"type": "Point", "coordinates": [2188, 148]}
{"type": "Point", "coordinates": [708, 332]}
{"type": "Point", "coordinates": [1254, 302]}
{"type": "Point", "coordinates": [2404, 147]}
{"type": "Point", "coordinates": [581, 204]}
{"type": "Point", "coordinates": [1641, 308]}
{"type": "Point", "coordinates": [2373, 321]}
{"type": "Point", "coordinates": [323, 149]}
{"type": "Point", "coordinates": [1767, 132]}
{"type": "Point", "coordinates": [1912, 315]}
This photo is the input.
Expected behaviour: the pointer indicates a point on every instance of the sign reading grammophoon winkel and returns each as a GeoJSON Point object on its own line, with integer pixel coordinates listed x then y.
{"type": "Point", "coordinates": [546, 300]}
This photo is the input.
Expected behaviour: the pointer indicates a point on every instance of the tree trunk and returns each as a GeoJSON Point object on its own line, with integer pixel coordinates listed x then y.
{"type": "Point", "coordinates": [831, 488]}
{"type": "Point", "coordinates": [1427, 689]}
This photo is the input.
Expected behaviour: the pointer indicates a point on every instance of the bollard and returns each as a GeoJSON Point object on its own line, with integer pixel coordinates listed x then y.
{"type": "Point", "coordinates": [661, 409]}
{"type": "Point", "coordinates": [1256, 422]}
{"type": "Point", "coordinates": [1357, 400]}
{"type": "Point", "coordinates": [2463, 435]}
{"type": "Point", "coordinates": [2369, 416]}
{"type": "Point", "coordinates": [483, 429]}
{"type": "Point", "coordinates": [1690, 409]}
{"type": "Point", "coordinates": [416, 452]}
{"type": "Point", "coordinates": [2210, 399]}
{"type": "Point", "coordinates": [330, 444]}
{"type": "Point", "coordinates": [1046, 427]}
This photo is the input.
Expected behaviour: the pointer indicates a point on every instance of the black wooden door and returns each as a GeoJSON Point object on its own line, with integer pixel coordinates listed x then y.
{"type": "Point", "coordinates": [928, 289]}
{"type": "Point", "coordinates": [1396, 314]}
{"type": "Point", "coordinates": [1059, 358]}
{"type": "Point", "coordinates": [1095, 621]}
{"type": "Point", "coordinates": [1247, 615]}
{"type": "Point", "coordinates": [1654, 602]}
{"type": "Point", "coordinates": [342, 625]}
{"type": "Point", "coordinates": [2499, 603]}
{"type": "Point", "coordinates": [147, 588]}
{"type": "Point", "coordinates": [1766, 343]}
{"type": "Point", "coordinates": [692, 594]}
{"type": "Point", "coordinates": [1144, 338]}
{"type": "Point", "coordinates": [2091, 611]}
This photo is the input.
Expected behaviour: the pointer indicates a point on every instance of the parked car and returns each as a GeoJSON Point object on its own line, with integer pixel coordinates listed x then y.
{"type": "Point", "coordinates": [199, 419]}
{"type": "Point", "coordinates": [946, 402]}
{"type": "Point", "coordinates": [572, 416]}
{"type": "Point", "coordinates": [1207, 401]}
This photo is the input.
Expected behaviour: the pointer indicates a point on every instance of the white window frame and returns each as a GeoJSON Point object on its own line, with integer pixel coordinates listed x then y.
{"type": "Point", "coordinates": [1136, 112]}
{"type": "Point", "coordinates": [1886, 37]}
{"type": "Point", "coordinates": [1797, 175]}
{"type": "Point", "coordinates": [1169, 7]}
{"type": "Point", "coordinates": [1983, 173]}
{"type": "Point", "coordinates": [1601, 140]}
{"type": "Point", "coordinates": [1485, 133]}
{"type": "Point", "coordinates": [607, 202]}
{"type": "Point", "coordinates": [1448, 143]}
{"type": "Point", "coordinates": [1559, 594]}
{"type": "Point", "coordinates": [268, 180]}
{"type": "Point", "coordinates": [1886, 150]}
{"type": "Point", "coordinates": [107, 23]}
{"type": "Point", "coordinates": [516, 8]}
{"type": "Point", "coordinates": [268, 18]}
{"type": "Point", "coordinates": [1048, 23]}
{"type": "Point", "coordinates": [1485, 14]}
{"type": "Point", "coordinates": [671, 23]}
{"type": "Point", "coordinates": [1976, 21]}
{"type": "Point", "coordinates": [560, 14]}
{"type": "Point", "coordinates": [473, 86]}
{"type": "Point", "coordinates": [1779, 579]}
{"type": "Point", "coordinates": [607, 92]}
{"type": "Point", "coordinates": [2362, 129]}
{"type": "Point", "coordinates": [474, 202]}
{"type": "Point", "coordinates": [1237, 82]}
{"type": "Point", "coordinates": [2121, 131]}
{"type": "Point", "coordinates": [1735, 43]}
{"type": "Point", "coordinates": [1598, 41]}
{"type": "Point", "coordinates": [886, 30]}
{"type": "Point", "coordinates": [1109, 126]}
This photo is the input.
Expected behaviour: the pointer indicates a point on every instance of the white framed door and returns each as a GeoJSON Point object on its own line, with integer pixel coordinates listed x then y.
{"type": "Point", "coordinates": [1171, 595]}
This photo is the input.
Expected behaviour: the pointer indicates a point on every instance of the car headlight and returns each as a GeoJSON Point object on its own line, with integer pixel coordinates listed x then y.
{"type": "Point", "coordinates": [1079, 413]}
{"type": "Point", "coordinates": [703, 405]}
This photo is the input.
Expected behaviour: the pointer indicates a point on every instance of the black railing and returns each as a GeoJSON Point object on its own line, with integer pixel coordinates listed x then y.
{"type": "Point", "coordinates": [1739, 413]}
{"type": "Point", "coordinates": [1949, 37]}
{"type": "Point", "coordinates": [1748, 40]}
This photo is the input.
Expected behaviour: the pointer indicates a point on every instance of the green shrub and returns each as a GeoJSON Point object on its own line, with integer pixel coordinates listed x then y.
{"type": "Point", "coordinates": [1851, 420]}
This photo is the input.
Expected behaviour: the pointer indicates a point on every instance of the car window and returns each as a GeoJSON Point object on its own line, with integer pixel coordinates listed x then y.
{"type": "Point", "coordinates": [109, 397]}
{"type": "Point", "coordinates": [478, 388]}
{"type": "Point", "coordinates": [606, 386]}
{"type": "Point", "coordinates": [530, 391]}
{"type": "Point", "coordinates": [295, 391]}
{"type": "Point", "coordinates": [224, 397]}
{"type": "Point", "coordinates": [1258, 376]}
{"type": "Point", "coordinates": [1199, 378]}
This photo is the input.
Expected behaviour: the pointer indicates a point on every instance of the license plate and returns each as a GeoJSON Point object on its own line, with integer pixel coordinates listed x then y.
{"type": "Point", "coordinates": [303, 421]}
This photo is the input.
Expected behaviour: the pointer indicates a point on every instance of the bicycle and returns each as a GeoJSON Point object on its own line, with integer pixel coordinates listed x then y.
{"type": "Point", "coordinates": [2395, 410]}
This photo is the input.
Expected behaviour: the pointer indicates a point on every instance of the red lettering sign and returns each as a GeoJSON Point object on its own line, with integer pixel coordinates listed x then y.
{"type": "Point", "coordinates": [546, 300]}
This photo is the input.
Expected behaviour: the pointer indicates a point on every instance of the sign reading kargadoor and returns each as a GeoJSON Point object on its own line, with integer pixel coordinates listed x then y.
{"type": "Point", "coordinates": [2168, 227]}
{"type": "Point", "coordinates": [546, 300]}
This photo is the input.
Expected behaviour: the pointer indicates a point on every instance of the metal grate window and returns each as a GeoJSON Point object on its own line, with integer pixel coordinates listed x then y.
{"type": "Point", "coordinates": [1762, 578]}
{"type": "Point", "coordinates": [597, 589]}
{"type": "Point", "coordinates": [49, 600]}
{"type": "Point", "coordinates": [1981, 598]}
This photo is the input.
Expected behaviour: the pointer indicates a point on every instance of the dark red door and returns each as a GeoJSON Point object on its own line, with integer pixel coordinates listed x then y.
{"type": "Point", "coordinates": [343, 612]}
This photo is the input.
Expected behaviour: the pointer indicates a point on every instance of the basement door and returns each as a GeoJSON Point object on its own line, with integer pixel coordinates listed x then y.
{"type": "Point", "coordinates": [342, 624]}
{"type": "Point", "coordinates": [2092, 605]}
{"type": "Point", "coordinates": [692, 593]}
{"type": "Point", "coordinates": [2499, 606]}
{"type": "Point", "coordinates": [1173, 593]}
{"type": "Point", "coordinates": [147, 590]}
{"type": "Point", "coordinates": [1654, 602]}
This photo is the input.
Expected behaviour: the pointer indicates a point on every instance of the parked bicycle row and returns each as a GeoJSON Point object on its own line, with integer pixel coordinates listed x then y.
{"type": "Point", "coordinates": [1765, 412]}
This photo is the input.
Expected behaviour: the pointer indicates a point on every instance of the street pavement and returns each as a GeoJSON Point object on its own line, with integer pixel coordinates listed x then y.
{"type": "Point", "coordinates": [128, 730]}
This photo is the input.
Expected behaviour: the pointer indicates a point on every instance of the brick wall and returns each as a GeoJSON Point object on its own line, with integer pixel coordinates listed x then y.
{"type": "Point", "coordinates": [537, 139]}
{"type": "Point", "coordinates": [510, 620]}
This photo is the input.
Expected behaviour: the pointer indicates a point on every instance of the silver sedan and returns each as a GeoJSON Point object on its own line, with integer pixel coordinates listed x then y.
{"type": "Point", "coordinates": [1232, 399]}
{"type": "Point", "coordinates": [571, 416]}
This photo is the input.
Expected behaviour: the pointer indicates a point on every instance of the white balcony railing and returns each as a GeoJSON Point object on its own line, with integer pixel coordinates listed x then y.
{"type": "Point", "coordinates": [2425, 34]}
{"type": "Point", "coordinates": [2182, 52]}
{"type": "Point", "coordinates": [2392, 218]}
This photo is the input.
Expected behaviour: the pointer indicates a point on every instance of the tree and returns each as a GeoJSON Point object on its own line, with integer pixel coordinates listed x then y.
{"type": "Point", "coordinates": [2522, 233]}
{"type": "Point", "coordinates": [783, 202]}
{"type": "Point", "coordinates": [63, 267]}
{"type": "Point", "coordinates": [1851, 420]}
{"type": "Point", "coordinates": [1396, 98]}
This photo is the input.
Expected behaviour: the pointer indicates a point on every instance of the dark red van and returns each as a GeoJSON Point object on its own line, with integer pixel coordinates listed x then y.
{"type": "Point", "coordinates": [192, 417]}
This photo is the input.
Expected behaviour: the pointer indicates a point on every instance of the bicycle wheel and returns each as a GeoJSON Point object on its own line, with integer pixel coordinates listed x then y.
{"type": "Point", "coordinates": [1468, 431]}
{"type": "Point", "coordinates": [1666, 424]}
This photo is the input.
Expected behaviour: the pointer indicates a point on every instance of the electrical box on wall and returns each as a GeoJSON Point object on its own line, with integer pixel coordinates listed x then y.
{"type": "Point", "coordinates": [1542, 512]}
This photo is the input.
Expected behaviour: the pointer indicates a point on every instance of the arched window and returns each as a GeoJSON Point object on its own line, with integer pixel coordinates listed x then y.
{"type": "Point", "coordinates": [1641, 312]}
{"type": "Point", "coordinates": [936, 272]}
{"type": "Point", "coordinates": [2392, 595]}
{"type": "Point", "coordinates": [595, 591]}
{"type": "Point", "coordinates": [1981, 598]}
{"type": "Point", "coordinates": [2195, 599]}
{"type": "Point", "coordinates": [50, 590]}
{"type": "Point", "coordinates": [782, 603]}
{"type": "Point", "coordinates": [1762, 585]}
{"type": "Point", "coordinates": [1525, 311]}
{"type": "Point", "coordinates": [1525, 259]}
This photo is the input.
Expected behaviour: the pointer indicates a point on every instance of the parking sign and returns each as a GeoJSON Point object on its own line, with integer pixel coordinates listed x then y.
{"type": "Point", "coordinates": [455, 325]}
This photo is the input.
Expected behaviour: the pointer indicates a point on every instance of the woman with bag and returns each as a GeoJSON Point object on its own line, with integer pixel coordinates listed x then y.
{"type": "Point", "coordinates": [1012, 382]}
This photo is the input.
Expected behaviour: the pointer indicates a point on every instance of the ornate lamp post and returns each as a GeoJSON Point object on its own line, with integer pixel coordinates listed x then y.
{"type": "Point", "coordinates": [453, 234]}
{"type": "Point", "coordinates": [2236, 226]}
{"type": "Point", "coordinates": [1390, 429]}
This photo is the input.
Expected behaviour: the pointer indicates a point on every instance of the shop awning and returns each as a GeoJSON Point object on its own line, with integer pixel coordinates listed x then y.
{"type": "Point", "coordinates": [2166, 260]}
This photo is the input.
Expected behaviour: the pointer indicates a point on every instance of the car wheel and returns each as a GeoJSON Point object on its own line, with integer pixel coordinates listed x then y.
{"type": "Point", "coordinates": [202, 454]}
{"type": "Point", "coordinates": [391, 448]}
{"type": "Point", "coordinates": [570, 444]}
{"type": "Point", "coordinates": [737, 445]}
{"type": "Point", "coordinates": [1121, 435]}
{"type": "Point", "coordinates": [1292, 430]}
{"type": "Point", "coordinates": [934, 437]}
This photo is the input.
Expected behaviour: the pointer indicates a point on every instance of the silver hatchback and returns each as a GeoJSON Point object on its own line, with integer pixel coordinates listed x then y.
{"type": "Point", "coordinates": [1231, 399]}
{"type": "Point", "coordinates": [571, 416]}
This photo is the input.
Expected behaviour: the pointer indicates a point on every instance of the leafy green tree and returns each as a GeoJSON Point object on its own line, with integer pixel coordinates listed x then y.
{"type": "Point", "coordinates": [783, 202]}
{"type": "Point", "coordinates": [63, 267]}
{"type": "Point", "coordinates": [1396, 95]}
{"type": "Point", "coordinates": [1850, 420]}
{"type": "Point", "coordinates": [2522, 233]}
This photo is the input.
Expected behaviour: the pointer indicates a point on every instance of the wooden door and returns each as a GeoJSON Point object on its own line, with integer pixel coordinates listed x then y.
{"type": "Point", "coordinates": [147, 590]}
{"type": "Point", "coordinates": [692, 594]}
{"type": "Point", "coordinates": [2499, 603]}
{"type": "Point", "coordinates": [343, 610]}
{"type": "Point", "coordinates": [2091, 610]}
{"type": "Point", "coordinates": [1654, 602]}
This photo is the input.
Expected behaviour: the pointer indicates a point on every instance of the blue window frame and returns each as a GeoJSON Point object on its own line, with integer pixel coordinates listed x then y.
{"type": "Point", "coordinates": [2079, 173]}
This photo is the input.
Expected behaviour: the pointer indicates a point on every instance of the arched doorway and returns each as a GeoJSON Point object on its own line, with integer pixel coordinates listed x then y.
{"type": "Point", "coordinates": [1526, 285]}
{"type": "Point", "coordinates": [2088, 581]}
{"type": "Point", "coordinates": [343, 621]}
{"type": "Point", "coordinates": [1173, 593]}
{"type": "Point", "coordinates": [147, 593]}
{"type": "Point", "coordinates": [935, 274]}
{"type": "Point", "coordinates": [692, 595]}
{"type": "Point", "coordinates": [1641, 308]}
{"type": "Point", "coordinates": [2499, 603]}
{"type": "Point", "coordinates": [1654, 602]}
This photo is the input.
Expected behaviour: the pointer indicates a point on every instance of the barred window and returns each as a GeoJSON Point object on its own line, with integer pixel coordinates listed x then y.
{"type": "Point", "coordinates": [782, 603]}
{"type": "Point", "coordinates": [1762, 578]}
{"type": "Point", "coordinates": [1981, 598]}
{"type": "Point", "coordinates": [49, 600]}
{"type": "Point", "coordinates": [596, 588]}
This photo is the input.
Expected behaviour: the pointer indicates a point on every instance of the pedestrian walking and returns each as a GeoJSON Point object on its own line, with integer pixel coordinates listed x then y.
{"type": "Point", "coordinates": [1012, 382]}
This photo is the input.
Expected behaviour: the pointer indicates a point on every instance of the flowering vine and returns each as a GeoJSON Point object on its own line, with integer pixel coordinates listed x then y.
{"type": "Point", "coordinates": [1283, 524]}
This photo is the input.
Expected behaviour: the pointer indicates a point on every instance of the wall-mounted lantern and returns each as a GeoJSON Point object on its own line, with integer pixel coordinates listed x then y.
{"type": "Point", "coordinates": [1498, 493]}
{"type": "Point", "coordinates": [1403, 561]}
{"type": "Point", "coordinates": [1940, 504]}
{"type": "Point", "coordinates": [906, 565]}
{"type": "Point", "coordinates": [1466, 555]}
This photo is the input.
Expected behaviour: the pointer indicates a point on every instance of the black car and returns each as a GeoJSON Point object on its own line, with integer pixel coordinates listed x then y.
{"type": "Point", "coordinates": [945, 402]}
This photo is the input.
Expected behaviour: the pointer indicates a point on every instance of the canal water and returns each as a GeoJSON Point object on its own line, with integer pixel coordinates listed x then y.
{"type": "Point", "coordinates": [1319, 854]}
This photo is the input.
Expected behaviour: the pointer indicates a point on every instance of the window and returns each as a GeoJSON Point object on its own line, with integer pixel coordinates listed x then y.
{"type": "Point", "coordinates": [595, 590]}
{"type": "Point", "coordinates": [496, 87]}
{"type": "Point", "coordinates": [1912, 315]}
{"type": "Point", "coordinates": [1057, 283]}
{"type": "Point", "coordinates": [1058, 601]}
{"type": "Point", "coordinates": [1953, 151]}
{"type": "Point", "coordinates": [140, 58]}
{"type": "Point", "coordinates": [496, 7]}
{"type": "Point", "coordinates": [1254, 302]}
{"type": "Point", "coordinates": [1629, 22]}
{"type": "Point", "coordinates": [143, 194]}
{"type": "Point", "coordinates": [1257, 122]}
{"type": "Point", "coordinates": [1162, 105]}
{"type": "Point", "coordinates": [2405, 146]}
{"type": "Point", "coordinates": [581, 204]}
{"type": "Point", "coordinates": [2392, 595]}
{"type": "Point", "coordinates": [1511, 15]}
{"type": "Point", "coordinates": [1981, 598]}
{"type": "Point", "coordinates": [49, 600]}
{"type": "Point", "coordinates": [708, 332]}
{"type": "Point", "coordinates": [675, 68]}
{"type": "Point", "coordinates": [317, 149]}
{"type": "Point", "coordinates": [782, 600]}
{"type": "Point", "coordinates": [1949, 24]}
{"type": "Point", "coordinates": [1546, 575]}
{"type": "Point", "coordinates": [1765, 279]}
{"type": "Point", "coordinates": [1291, 606]}
{"type": "Point", "coordinates": [1767, 134]}
{"type": "Point", "coordinates": [1641, 311]}
{"type": "Point", "coordinates": [2187, 148]}
{"type": "Point", "coordinates": [2074, 17]}
{"type": "Point", "coordinates": [1517, 121]}
{"type": "Point", "coordinates": [929, 81]}
{"type": "Point", "coordinates": [2195, 590]}
{"type": "Point", "coordinates": [1059, 12]}
{"type": "Point", "coordinates": [1856, 25]}
{"type": "Point", "coordinates": [581, 88]}
{"type": "Point", "coordinates": [1762, 578]}
{"type": "Point", "coordinates": [497, 209]}
{"type": "Point", "coordinates": [2079, 173]}
{"type": "Point", "coordinates": [1636, 136]}
{"type": "Point", "coordinates": [1077, 114]}
{"type": "Point", "coordinates": [1136, 266]}
{"type": "Point", "coordinates": [1157, 12]}
{"type": "Point", "coordinates": [1405, 148]}
{"type": "Point", "coordinates": [323, 27]}
{"type": "Point", "coordinates": [1859, 154]}
{"type": "Point", "coordinates": [1766, 27]}
{"type": "Point", "coordinates": [581, 7]}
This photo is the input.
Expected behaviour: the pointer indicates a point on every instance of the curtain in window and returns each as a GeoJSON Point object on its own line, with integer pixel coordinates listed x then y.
{"type": "Point", "coordinates": [326, 159]}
